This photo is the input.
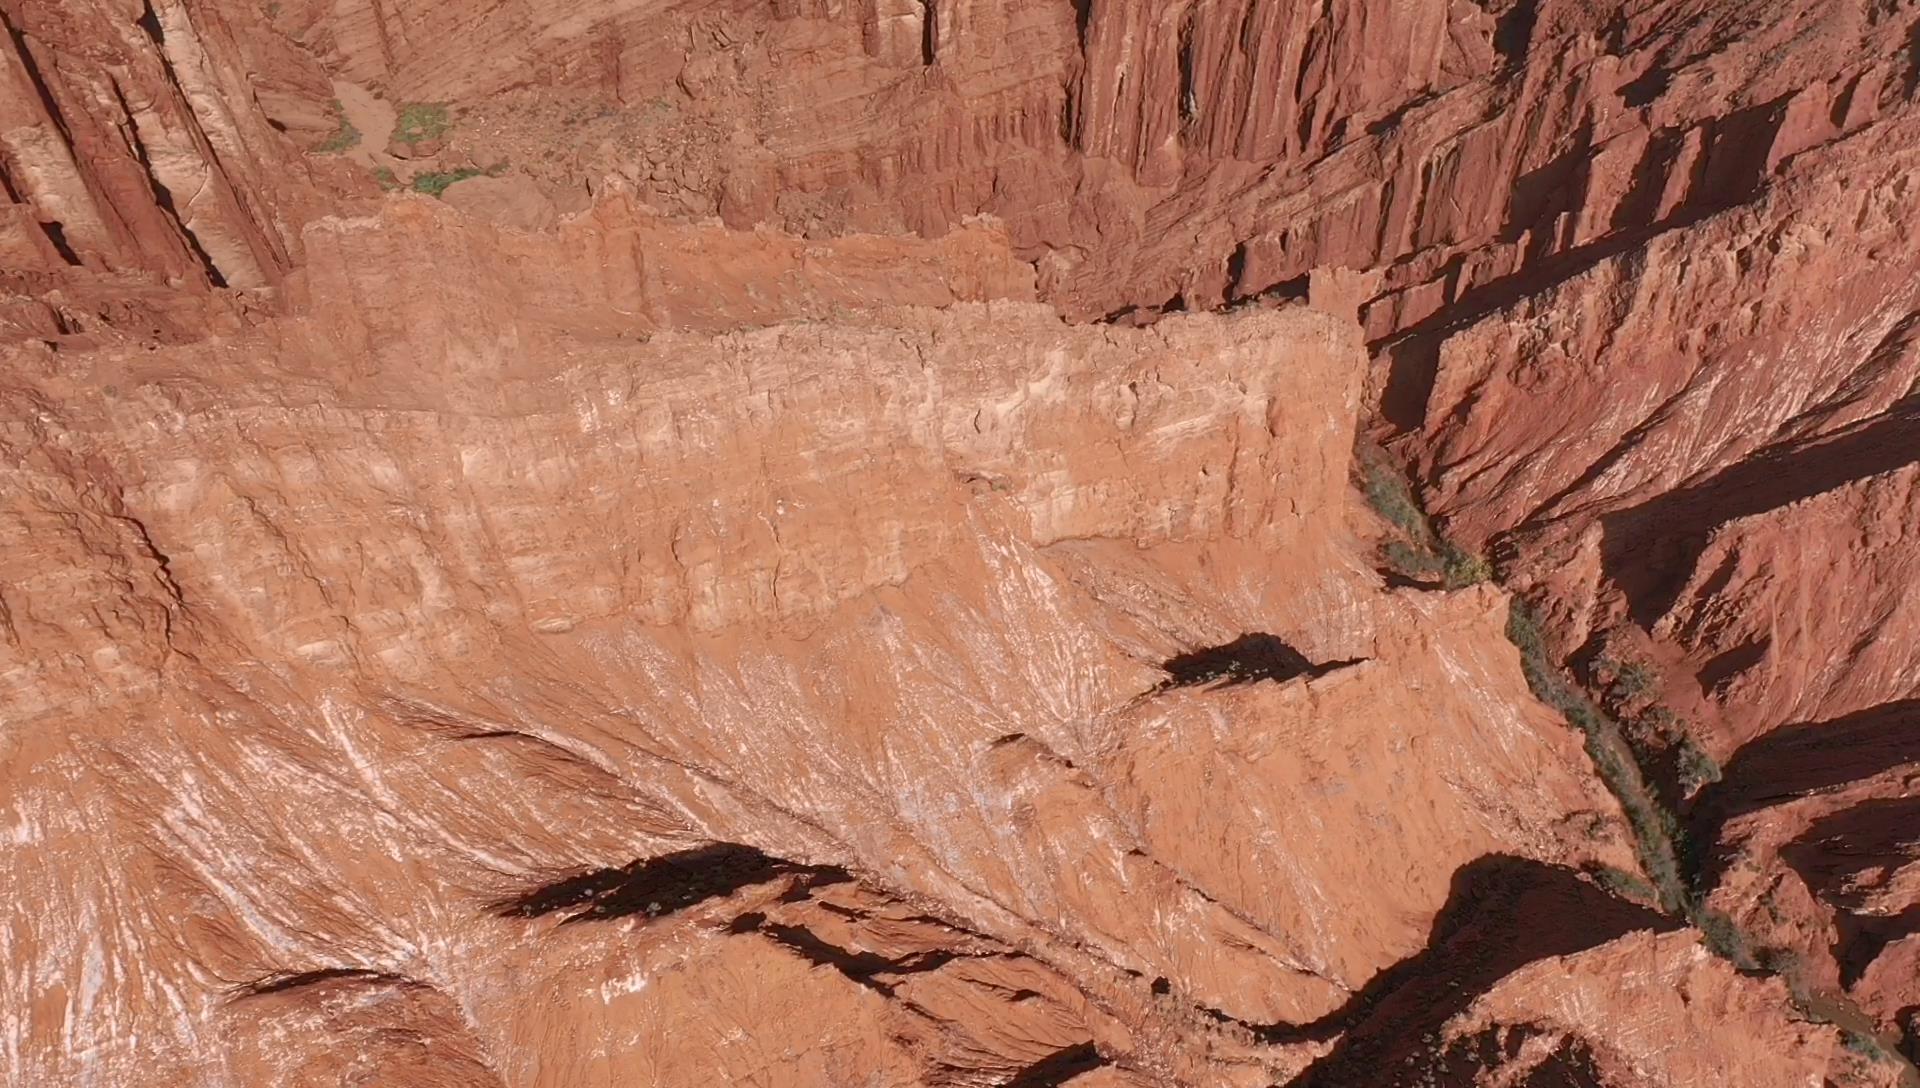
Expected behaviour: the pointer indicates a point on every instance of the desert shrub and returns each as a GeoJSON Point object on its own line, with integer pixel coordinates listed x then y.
{"type": "Point", "coordinates": [1406, 559]}
{"type": "Point", "coordinates": [1392, 498]}
{"type": "Point", "coordinates": [1697, 768]}
{"type": "Point", "coordinates": [1625, 885]}
{"type": "Point", "coordinates": [344, 135]}
{"type": "Point", "coordinates": [419, 122]}
{"type": "Point", "coordinates": [1865, 1045]}
{"type": "Point", "coordinates": [1660, 719]}
{"type": "Point", "coordinates": [435, 183]}
{"type": "Point", "coordinates": [1463, 568]}
{"type": "Point", "coordinates": [1419, 551]}
{"type": "Point", "coordinates": [1634, 679]}
{"type": "Point", "coordinates": [1784, 962]}
{"type": "Point", "coordinates": [1724, 938]}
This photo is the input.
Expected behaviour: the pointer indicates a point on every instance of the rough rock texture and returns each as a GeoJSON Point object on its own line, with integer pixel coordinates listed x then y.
{"type": "Point", "coordinates": [142, 137]}
{"type": "Point", "coordinates": [1689, 1018]}
{"type": "Point", "coordinates": [1199, 150]}
{"type": "Point", "coordinates": [362, 683]}
{"type": "Point", "coordinates": [1699, 446]}
{"type": "Point", "coordinates": [711, 601]}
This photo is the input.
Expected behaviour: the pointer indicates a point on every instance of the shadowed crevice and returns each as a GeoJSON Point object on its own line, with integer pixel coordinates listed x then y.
{"type": "Point", "coordinates": [163, 196]}
{"type": "Point", "coordinates": [1249, 658]}
{"type": "Point", "coordinates": [57, 237]}
{"type": "Point", "coordinates": [1501, 914]}
{"type": "Point", "coordinates": [280, 983]}
{"type": "Point", "coordinates": [1057, 1068]}
{"type": "Point", "coordinates": [863, 967]}
{"type": "Point", "coordinates": [1513, 33]}
{"type": "Point", "coordinates": [664, 885]}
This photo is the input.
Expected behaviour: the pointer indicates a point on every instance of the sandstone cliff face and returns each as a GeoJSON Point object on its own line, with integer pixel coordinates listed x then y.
{"type": "Point", "coordinates": [142, 137]}
{"type": "Point", "coordinates": [371, 658]}
{"type": "Point", "coordinates": [1732, 493]}
{"type": "Point", "coordinates": [1202, 151]}
{"type": "Point", "coordinates": [710, 602]}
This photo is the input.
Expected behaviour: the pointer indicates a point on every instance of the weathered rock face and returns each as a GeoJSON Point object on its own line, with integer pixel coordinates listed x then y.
{"type": "Point", "coordinates": [1195, 151]}
{"type": "Point", "coordinates": [142, 137]}
{"type": "Point", "coordinates": [701, 605]}
{"type": "Point", "coordinates": [1699, 445]}
{"type": "Point", "coordinates": [1691, 1018]}
{"type": "Point", "coordinates": [885, 603]}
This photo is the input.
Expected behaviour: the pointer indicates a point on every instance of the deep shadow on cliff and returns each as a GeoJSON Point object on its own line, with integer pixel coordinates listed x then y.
{"type": "Point", "coordinates": [1502, 913]}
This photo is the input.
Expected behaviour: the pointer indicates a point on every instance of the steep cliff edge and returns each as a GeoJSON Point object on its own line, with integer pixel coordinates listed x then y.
{"type": "Point", "coordinates": [927, 613]}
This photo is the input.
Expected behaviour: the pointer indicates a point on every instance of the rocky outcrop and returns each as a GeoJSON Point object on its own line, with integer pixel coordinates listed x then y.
{"type": "Point", "coordinates": [1202, 151]}
{"type": "Point", "coordinates": [146, 138]}
{"type": "Point", "coordinates": [887, 598]}
{"type": "Point", "coordinates": [1674, 1014]}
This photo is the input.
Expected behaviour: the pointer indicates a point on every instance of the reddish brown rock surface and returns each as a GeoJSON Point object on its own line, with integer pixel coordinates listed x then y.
{"type": "Point", "coordinates": [762, 583]}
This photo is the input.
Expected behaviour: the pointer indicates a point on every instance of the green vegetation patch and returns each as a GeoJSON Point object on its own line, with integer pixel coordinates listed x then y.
{"type": "Point", "coordinates": [1418, 550]}
{"type": "Point", "coordinates": [1634, 680]}
{"type": "Point", "coordinates": [1697, 768]}
{"type": "Point", "coordinates": [1625, 885]}
{"type": "Point", "coordinates": [420, 122]}
{"type": "Point", "coordinates": [1392, 498]}
{"type": "Point", "coordinates": [1656, 830]}
{"type": "Point", "coordinates": [434, 184]}
{"type": "Point", "coordinates": [1866, 1046]}
{"type": "Point", "coordinates": [344, 134]}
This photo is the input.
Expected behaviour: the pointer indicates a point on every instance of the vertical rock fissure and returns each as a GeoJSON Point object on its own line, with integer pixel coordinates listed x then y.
{"type": "Point", "coordinates": [162, 195]}
{"type": "Point", "coordinates": [1082, 22]}
{"type": "Point", "coordinates": [1189, 96]}
{"type": "Point", "coordinates": [1513, 34]}
{"type": "Point", "coordinates": [57, 235]}
{"type": "Point", "coordinates": [31, 66]}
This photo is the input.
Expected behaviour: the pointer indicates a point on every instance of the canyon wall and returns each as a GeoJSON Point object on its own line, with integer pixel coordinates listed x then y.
{"type": "Point", "coordinates": [324, 662]}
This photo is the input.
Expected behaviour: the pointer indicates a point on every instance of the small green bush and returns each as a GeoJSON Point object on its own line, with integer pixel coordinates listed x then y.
{"type": "Point", "coordinates": [1406, 559]}
{"type": "Point", "coordinates": [435, 183]}
{"type": "Point", "coordinates": [1634, 680]}
{"type": "Point", "coordinates": [419, 122]}
{"type": "Point", "coordinates": [1392, 498]}
{"type": "Point", "coordinates": [344, 135]}
{"type": "Point", "coordinates": [1624, 885]}
{"type": "Point", "coordinates": [1784, 962]}
{"type": "Point", "coordinates": [1724, 938]}
{"type": "Point", "coordinates": [1697, 768]}
{"type": "Point", "coordinates": [1865, 1045]}
{"type": "Point", "coordinates": [1462, 568]}
{"type": "Point", "coordinates": [1660, 719]}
